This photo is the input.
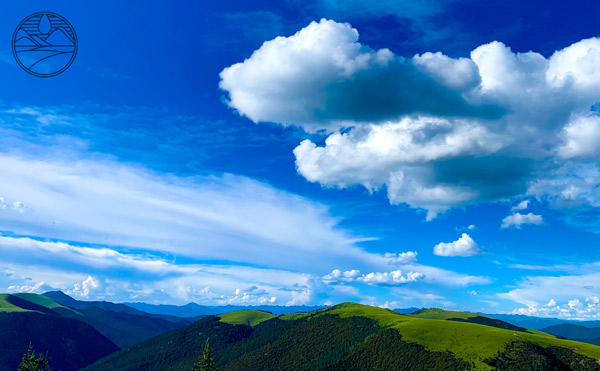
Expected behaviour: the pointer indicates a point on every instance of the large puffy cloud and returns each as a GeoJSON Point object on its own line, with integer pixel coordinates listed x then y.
{"type": "Point", "coordinates": [403, 156]}
{"type": "Point", "coordinates": [436, 132]}
{"type": "Point", "coordinates": [321, 77]}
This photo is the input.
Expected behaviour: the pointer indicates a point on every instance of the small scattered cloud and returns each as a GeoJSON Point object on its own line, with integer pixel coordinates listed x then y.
{"type": "Point", "coordinates": [374, 278]}
{"type": "Point", "coordinates": [574, 309]}
{"type": "Point", "coordinates": [85, 288]}
{"type": "Point", "coordinates": [401, 258]}
{"type": "Point", "coordinates": [518, 219]}
{"type": "Point", "coordinates": [337, 276]}
{"type": "Point", "coordinates": [16, 206]}
{"type": "Point", "coordinates": [37, 288]}
{"type": "Point", "coordinates": [251, 295]}
{"type": "Point", "coordinates": [563, 295]}
{"type": "Point", "coordinates": [521, 205]}
{"type": "Point", "coordinates": [470, 227]}
{"type": "Point", "coordinates": [390, 278]}
{"type": "Point", "coordinates": [464, 246]}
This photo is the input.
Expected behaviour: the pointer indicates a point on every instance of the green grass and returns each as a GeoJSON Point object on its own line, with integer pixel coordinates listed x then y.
{"type": "Point", "coordinates": [246, 317]}
{"type": "Point", "coordinates": [469, 341]}
{"type": "Point", "coordinates": [43, 301]}
{"type": "Point", "coordinates": [437, 313]}
{"type": "Point", "coordinates": [5, 306]}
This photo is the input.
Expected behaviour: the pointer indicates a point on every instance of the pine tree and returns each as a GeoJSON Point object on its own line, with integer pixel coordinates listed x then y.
{"type": "Point", "coordinates": [206, 362]}
{"type": "Point", "coordinates": [30, 363]}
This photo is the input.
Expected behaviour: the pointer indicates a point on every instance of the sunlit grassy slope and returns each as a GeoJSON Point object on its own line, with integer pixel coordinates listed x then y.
{"type": "Point", "coordinates": [25, 302]}
{"type": "Point", "coordinates": [246, 317]}
{"type": "Point", "coordinates": [43, 301]}
{"type": "Point", "coordinates": [469, 341]}
{"type": "Point", "coordinates": [437, 313]}
{"type": "Point", "coordinates": [5, 306]}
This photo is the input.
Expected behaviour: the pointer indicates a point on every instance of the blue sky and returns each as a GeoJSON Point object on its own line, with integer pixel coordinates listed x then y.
{"type": "Point", "coordinates": [433, 153]}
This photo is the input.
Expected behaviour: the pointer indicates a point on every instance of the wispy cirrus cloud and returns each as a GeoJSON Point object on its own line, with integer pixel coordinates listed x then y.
{"type": "Point", "coordinates": [230, 231]}
{"type": "Point", "coordinates": [213, 218]}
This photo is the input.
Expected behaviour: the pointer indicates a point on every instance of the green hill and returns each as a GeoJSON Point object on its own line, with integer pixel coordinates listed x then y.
{"type": "Point", "coordinates": [437, 313]}
{"type": "Point", "coordinates": [356, 337]}
{"type": "Point", "coordinates": [246, 317]}
{"type": "Point", "coordinates": [174, 350]}
{"type": "Point", "coordinates": [44, 301]}
{"type": "Point", "coordinates": [7, 304]}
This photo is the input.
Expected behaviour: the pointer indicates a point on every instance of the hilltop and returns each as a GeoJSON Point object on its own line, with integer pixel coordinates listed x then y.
{"type": "Point", "coordinates": [357, 337]}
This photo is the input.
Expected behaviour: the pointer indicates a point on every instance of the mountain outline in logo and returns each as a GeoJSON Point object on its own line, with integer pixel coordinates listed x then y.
{"type": "Point", "coordinates": [44, 44]}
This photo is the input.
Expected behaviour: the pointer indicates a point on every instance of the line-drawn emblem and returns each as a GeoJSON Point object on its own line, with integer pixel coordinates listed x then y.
{"type": "Point", "coordinates": [44, 44]}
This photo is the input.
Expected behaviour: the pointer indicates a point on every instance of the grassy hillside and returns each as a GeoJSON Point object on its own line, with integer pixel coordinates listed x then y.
{"type": "Point", "coordinates": [357, 337]}
{"type": "Point", "coordinates": [437, 313]}
{"type": "Point", "coordinates": [382, 352]}
{"type": "Point", "coordinates": [246, 317]}
{"type": "Point", "coordinates": [8, 307]}
{"type": "Point", "coordinates": [44, 301]}
{"type": "Point", "coordinates": [469, 341]}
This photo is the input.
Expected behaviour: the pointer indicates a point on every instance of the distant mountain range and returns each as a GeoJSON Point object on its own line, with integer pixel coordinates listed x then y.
{"type": "Point", "coordinates": [79, 334]}
{"type": "Point", "coordinates": [575, 332]}
{"type": "Point", "coordinates": [539, 323]}
{"type": "Point", "coordinates": [193, 310]}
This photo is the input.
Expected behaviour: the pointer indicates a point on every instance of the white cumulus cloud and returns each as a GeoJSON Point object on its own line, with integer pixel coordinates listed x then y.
{"type": "Point", "coordinates": [434, 132]}
{"type": "Point", "coordinates": [464, 246]}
